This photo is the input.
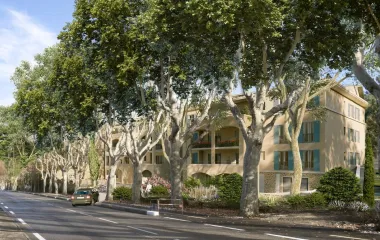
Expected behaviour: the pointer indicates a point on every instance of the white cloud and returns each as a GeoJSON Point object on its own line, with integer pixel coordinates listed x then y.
{"type": "Point", "coordinates": [21, 38]}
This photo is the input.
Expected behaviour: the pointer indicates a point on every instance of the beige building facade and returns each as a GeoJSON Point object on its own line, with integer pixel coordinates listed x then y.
{"type": "Point", "coordinates": [337, 140]}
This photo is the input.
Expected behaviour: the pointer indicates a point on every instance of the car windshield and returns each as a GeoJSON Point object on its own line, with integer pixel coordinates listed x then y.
{"type": "Point", "coordinates": [82, 192]}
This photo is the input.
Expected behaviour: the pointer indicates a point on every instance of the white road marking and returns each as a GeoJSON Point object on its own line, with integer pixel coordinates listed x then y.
{"type": "Point", "coordinates": [177, 219]}
{"type": "Point", "coordinates": [107, 220]}
{"type": "Point", "coordinates": [21, 221]}
{"type": "Point", "coordinates": [12, 212]}
{"type": "Point", "coordinates": [281, 236]}
{"type": "Point", "coordinates": [6, 207]}
{"type": "Point", "coordinates": [238, 229]}
{"type": "Point", "coordinates": [142, 230]}
{"type": "Point", "coordinates": [38, 236]}
{"type": "Point", "coordinates": [197, 217]}
{"type": "Point", "coordinates": [71, 210]}
{"type": "Point", "coordinates": [2, 203]}
{"type": "Point", "coordinates": [347, 237]}
{"type": "Point", "coordinates": [85, 214]}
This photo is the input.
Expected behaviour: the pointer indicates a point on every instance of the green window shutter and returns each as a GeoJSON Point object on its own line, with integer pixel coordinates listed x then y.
{"type": "Point", "coordinates": [277, 134]}
{"type": "Point", "coordinates": [276, 160]}
{"type": "Point", "coordinates": [290, 161]}
{"type": "Point", "coordinates": [316, 101]}
{"type": "Point", "coordinates": [195, 136]}
{"type": "Point", "coordinates": [300, 137]}
{"type": "Point", "coordinates": [195, 158]}
{"type": "Point", "coordinates": [317, 130]}
{"type": "Point", "coordinates": [316, 160]}
{"type": "Point", "coordinates": [302, 152]}
{"type": "Point", "coordinates": [290, 129]}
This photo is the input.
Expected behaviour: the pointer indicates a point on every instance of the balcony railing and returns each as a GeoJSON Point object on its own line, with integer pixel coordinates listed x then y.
{"type": "Point", "coordinates": [227, 143]}
{"type": "Point", "coordinates": [202, 145]}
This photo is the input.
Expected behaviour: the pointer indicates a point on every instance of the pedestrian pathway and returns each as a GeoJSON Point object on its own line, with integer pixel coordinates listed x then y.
{"type": "Point", "coordinates": [8, 228]}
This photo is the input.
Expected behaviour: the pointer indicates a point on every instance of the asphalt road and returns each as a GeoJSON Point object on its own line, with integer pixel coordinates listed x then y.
{"type": "Point", "coordinates": [51, 219]}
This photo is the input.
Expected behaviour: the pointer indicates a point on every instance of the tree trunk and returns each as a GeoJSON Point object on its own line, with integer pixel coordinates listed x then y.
{"type": "Point", "coordinates": [137, 181]}
{"type": "Point", "coordinates": [76, 176]}
{"type": "Point", "coordinates": [175, 175]}
{"type": "Point", "coordinates": [111, 182]}
{"type": "Point", "coordinates": [94, 182]}
{"type": "Point", "coordinates": [249, 201]}
{"type": "Point", "coordinates": [297, 176]}
{"type": "Point", "coordinates": [64, 182]}
{"type": "Point", "coordinates": [44, 184]}
{"type": "Point", "coordinates": [50, 184]}
{"type": "Point", "coordinates": [14, 184]}
{"type": "Point", "coordinates": [55, 183]}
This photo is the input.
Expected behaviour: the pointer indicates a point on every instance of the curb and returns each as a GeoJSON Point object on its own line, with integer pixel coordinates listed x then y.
{"type": "Point", "coordinates": [42, 195]}
{"type": "Point", "coordinates": [129, 209]}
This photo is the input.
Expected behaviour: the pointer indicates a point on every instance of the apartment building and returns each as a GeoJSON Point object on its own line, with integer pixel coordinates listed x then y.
{"type": "Point", "coordinates": [338, 140]}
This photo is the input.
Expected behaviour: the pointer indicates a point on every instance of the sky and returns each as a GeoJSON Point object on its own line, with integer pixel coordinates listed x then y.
{"type": "Point", "coordinates": [27, 27]}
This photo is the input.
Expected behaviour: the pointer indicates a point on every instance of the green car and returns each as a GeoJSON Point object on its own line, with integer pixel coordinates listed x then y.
{"type": "Point", "coordinates": [84, 196]}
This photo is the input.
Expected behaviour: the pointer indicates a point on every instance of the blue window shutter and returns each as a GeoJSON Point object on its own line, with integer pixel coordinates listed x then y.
{"type": "Point", "coordinates": [316, 101]}
{"type": "Point", "coordinates": [195, 136]}
{"type": "Point", "coordinates": [290, 161]}
{"type": "Point", "coordinates": [300, 137]}
{"type": "Point", "coordinates": [317, 167]}
{"type": "Point", "coordinates": [195, 158]}
{"type": "Point", "coordinates": [277, 134]}
{"type": "Point", "coordinates": [302, 152]}
{"type": "Point", "coordinates": [276, 160]}
{"type": "Point", "coordinates": [317, 129]}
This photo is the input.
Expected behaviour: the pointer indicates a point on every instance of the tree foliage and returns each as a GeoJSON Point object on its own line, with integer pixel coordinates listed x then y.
{"type": "Point", "coordinates": [369, 174]}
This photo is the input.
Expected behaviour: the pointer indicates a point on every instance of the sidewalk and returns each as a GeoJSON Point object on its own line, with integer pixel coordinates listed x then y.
{"type": "Point", "coordinates": [8, 228]}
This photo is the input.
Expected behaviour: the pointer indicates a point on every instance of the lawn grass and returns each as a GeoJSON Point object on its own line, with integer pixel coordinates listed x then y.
{"type": "Point", "coordinates": [377, 180]}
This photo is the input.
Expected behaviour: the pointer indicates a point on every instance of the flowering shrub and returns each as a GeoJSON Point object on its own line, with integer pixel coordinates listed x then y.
{"type": "Point", "coordinates": [154, 182]}
{"type": "Point", "coordinates": [227, 143]}
{"type": "Point", "coordinates": [202, 145]}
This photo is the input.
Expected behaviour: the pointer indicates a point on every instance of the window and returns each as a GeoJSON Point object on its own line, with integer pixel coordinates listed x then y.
{"type": "Point", "coordinates": [218, 139]}
{"type": "Point", "coordinates": [308, 132]}
{"type": "Point", "coordinates": [284, 161]}
{"type": "Point", "coordinates": [308, 160]}
{"type": "Point", "coordinates": [353, 158]}
{"type": "Point", "coordinates": [263, 155]}
{"type": "Point", "coordinates": [108, 160]}
{"type": "Point", "coordinates": [305, 184]}
{"type": "Point", "coordinates": [286, 184]}
{"type": "Point", "coordinates": [344, 131]}
{"type": "Point", "coordinates": [237, 158]}
{"type": "Point", "coordinates": [159, 159]}
{"type": "Point", "coordinates": [126, 160]}
{"type": "Point", "coordinates": [218, 158]}
{"type": "Point", "coordinates": [282, 135]}
{"type": "Point", "coordinates": [194, 158]}
{"type": "Point", "coordinates": [353, 112]}
{"type": "Point", "coordinates": [353, 135]}
{"type": "Point", "coordinates": [209, 158]}
{"type": "Point", "coordinates": [191, 119]}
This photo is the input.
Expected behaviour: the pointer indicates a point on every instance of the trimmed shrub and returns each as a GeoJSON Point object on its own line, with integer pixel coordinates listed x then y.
{"type": "Point", "coordinates": [340, 184]}
{"type": "Point", "coordinates": [369, 174]}
{"type": "Point", "coordinates": [296, 201]}
{"type": "Point", "coordinates": [229, 188]}
{"type": "Point", "coordinates": [315, 200]}
{"type": "Point", "coordinates": [159, 190]}
{"type": "Point", "coordinates": [192, 182]}
{"type": "Point", "coordinates": [122, 193]}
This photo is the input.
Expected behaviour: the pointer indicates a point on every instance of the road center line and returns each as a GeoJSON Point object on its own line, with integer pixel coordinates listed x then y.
{"type": "Point", "coordinates": [237, 229]}
{"type": "Point", "coordinates": [347, 237]}
{"type": "Point", "coordinates": [38, 236]}
{"type": "Point", "coordinates": [21, 221]}
{"type": "Point", "coordinates": [142, 230]}
{"type": "Point", "coordinates": [107, 220]}
{"type": "Point", "coordinates": [6, 207]}
{"type": "Point", "coordinates": [183, 220]}
{"type": "Point", "coordinates": [281, 236]}
{"type": "Point", "coordinates": [2, 203]}
{"type": "Point", "coordinates": [12, 212]}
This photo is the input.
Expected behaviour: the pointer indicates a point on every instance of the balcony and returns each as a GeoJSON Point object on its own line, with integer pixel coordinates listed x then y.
{"type": "Point", "coordinates": [227, 143]}
{"type": "Point", "coordinates": [202, 145]}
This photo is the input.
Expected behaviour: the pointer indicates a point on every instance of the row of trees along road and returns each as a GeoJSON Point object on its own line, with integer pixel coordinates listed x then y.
{"type": "Point", "coordinates": [142, 64]}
